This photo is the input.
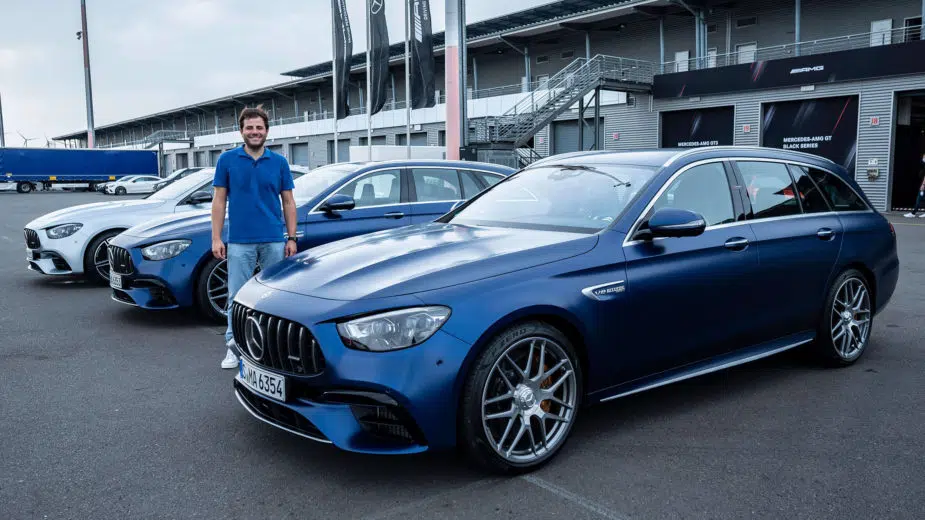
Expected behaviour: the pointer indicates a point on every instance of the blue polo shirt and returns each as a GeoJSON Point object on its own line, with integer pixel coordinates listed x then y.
{"type": "Point", "coordinates": [255, 211]}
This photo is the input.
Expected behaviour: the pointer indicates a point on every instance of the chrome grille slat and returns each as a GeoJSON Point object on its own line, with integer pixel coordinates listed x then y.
{"type": "Point", "coordinates": [120, 260]}
{"type": "Point", "coordinates": [289, 346]}
{"type": "Point", "coordinates": [32, 239]}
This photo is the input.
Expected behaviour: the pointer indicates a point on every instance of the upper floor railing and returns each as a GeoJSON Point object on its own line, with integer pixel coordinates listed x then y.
{"type": "Point", "coordinates": [750, 53]}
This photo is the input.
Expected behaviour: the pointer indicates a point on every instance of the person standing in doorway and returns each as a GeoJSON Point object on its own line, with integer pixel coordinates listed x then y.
{"type": "Point", "coordinates": [251, 181]}
{"type": "Point", "coordinates": [921, 195]}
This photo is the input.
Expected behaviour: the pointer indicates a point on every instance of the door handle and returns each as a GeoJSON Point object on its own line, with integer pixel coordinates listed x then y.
{"type": "Point", "coordinates": [737, 244]}
{"type": "Point", "coordinates": [394, 214]}
{"type": "Point", "coordinates": [825, 234]}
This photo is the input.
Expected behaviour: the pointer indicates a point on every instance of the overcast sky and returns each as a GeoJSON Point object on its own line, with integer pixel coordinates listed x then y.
{"type": "Point", "coordinates": [148, 56]}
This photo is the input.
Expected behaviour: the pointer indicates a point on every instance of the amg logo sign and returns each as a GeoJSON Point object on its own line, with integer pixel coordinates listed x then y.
{"type": "Point", "coordinates": [817, 68]}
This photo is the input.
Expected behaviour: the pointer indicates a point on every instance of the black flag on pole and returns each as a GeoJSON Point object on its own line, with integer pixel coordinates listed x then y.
{"type": "Point", "coordinates": [422, 56]}
{"type": "Point", "coordinates": [379, 54]}
{"type": "Point", "coordinates": [343, 52]}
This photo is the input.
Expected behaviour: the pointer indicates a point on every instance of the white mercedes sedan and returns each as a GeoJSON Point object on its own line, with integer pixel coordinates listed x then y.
{"type": "Point", "coordinates": [75, 240]}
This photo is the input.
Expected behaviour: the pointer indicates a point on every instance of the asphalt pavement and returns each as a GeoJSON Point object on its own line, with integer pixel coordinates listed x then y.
{"type": "Point", "coordinates": [111, 412]}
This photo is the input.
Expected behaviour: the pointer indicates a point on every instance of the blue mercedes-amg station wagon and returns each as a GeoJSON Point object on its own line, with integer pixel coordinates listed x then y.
{"type": "Point", "coordinates": [580, 279]}
{"type": "Point", "coordinates": [168, 263]}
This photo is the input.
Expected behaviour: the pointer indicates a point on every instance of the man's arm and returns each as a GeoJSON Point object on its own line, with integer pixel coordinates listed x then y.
{"type": "Point", "coordinates": [289, 211]}
{"type": "Point", "coordinates": [218, 221]}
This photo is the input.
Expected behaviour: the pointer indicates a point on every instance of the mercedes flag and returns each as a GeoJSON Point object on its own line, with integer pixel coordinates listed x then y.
{"type": "Point", "coordinates": [378, 59]}
{"type": "Point", "coordinates": [343, 52]}
{"type": "Point", "coordinates": [422, 56]}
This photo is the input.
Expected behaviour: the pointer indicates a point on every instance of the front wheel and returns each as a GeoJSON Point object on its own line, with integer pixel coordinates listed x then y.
{"type": "Point", "coordinates": [212, 290]}
{"type": "Point", "coordinates": [521, 399]}
{"type": "Point", "coordinates": [844, 331]}
{"type": "Point", "coordinates": [96, 258]}
{"type": "Point", "coordinates": [121, 191]}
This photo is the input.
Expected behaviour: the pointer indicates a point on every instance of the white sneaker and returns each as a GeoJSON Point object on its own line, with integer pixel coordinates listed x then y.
{"type": "Point", "coordinates": [230, 361]}
{"type": "Point", "coordinates": [910, 215]}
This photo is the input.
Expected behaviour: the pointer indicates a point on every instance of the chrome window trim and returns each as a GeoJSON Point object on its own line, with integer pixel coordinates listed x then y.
{"type": "Point", "coordinates": [315, 211]}
{"type": "Point", "coordinates": [635, 227]}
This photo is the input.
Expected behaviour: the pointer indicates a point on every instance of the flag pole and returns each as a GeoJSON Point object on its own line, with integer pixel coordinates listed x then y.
{"type": "Point", "coordinates": [408, 78]}
{"type": "Point", "coordinates": [369, 80]}
{"type": "Point", "coordinates": [334, 72]}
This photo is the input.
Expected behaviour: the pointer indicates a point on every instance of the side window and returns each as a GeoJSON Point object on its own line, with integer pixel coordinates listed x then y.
{"type": "Point", "coordinates": [491, 179]}
{"type": "Point", "coordinates": [836, 191]}
{"type": "Point", "coordinates": [377, 189]}
{"type": "Point", "coordinates": [435, 184]}
{"type": "Point", "coordinates": [812, 199]}
{"type": "Point", "coordinates": [703, 189]}
{"type": "Point", "coordinates": [470, 186]}
{"type": "Point", "coordinates": [770, 189]}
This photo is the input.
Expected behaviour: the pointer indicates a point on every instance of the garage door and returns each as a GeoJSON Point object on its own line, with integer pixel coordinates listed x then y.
{"type": "Point", "coordinates": [299, 153]}
{"type": "Point", "coordinates": [417, 139]}
{"type": "Point", "coordinates": [343, 150]}
{"type": "Point", "coordinates": [565, 136]}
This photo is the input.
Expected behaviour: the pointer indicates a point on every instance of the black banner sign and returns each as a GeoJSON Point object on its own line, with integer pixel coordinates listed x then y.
{"type": "Point", "coordinates": [865, 63]}
{"type": "Point", "coordinates": [699, 127]}
{"type": "Point", "coordinates": [379, 55]}
{"type": "Point", "coordinates": [343, 52]}
{"type": "Point", "coordinates": [422, 67]}
{"type": "Point", "coordinates": [827, 127]}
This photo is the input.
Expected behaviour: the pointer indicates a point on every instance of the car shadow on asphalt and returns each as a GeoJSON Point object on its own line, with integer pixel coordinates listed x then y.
{"type": "Point", "coordinates": [65, 282]}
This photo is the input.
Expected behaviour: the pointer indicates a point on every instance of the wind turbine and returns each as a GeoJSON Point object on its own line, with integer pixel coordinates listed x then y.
{"type": "Point", "coordinates": [25, 140]}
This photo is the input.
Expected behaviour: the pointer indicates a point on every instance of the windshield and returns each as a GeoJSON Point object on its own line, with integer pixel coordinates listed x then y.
{"type": "Point", "coordinates": [177, 189]}
{"type": "Point", "coordinates": [576, 198]}
{"type": "Point", "coordinates": [310, 185]}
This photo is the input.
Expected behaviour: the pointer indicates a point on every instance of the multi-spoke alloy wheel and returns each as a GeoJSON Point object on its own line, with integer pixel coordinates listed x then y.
{"type": "Point", "coordinates": [850, 322]}
{"type": "Point", "coordinates": [217, 286]}
{"type": "Point", "coordinates": [101, 259]}
{"type": "Point", "coordinates": [522, 398]}
{"type": "Point", "coordinates": [96, 258]}
{"type": "Point", "coordinates": [844, 332]}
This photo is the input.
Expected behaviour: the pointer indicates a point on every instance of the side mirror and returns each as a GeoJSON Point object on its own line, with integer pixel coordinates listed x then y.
{"type": "Point", "coordinates": [338, 203]}
{"type": "Point", "coordinates": [669, 222]}
{"type": "Point", "coordinates": [200, 197]}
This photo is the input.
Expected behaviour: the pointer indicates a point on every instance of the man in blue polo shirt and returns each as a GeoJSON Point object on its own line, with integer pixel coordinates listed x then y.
{"type": "Point", "coordinates": [252, 180]}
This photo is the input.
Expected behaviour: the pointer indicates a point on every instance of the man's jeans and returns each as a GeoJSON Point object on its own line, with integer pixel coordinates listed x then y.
{"type": "Point", "coordinates": [242, 261]}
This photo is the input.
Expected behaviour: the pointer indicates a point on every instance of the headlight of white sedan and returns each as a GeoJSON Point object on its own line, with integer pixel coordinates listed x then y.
{"type": "Point", "coordinates": [165, 250]}
{"type": "Point", "coordinates": [393, 330]}
{"type": "Point", "coordinates": [63, 231]}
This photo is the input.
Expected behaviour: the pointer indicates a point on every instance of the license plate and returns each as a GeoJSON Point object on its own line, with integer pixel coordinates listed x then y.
{"type": "Point", "coordinates": [115, 280]}
{"type": "Point", "coordinates": [261, 381]}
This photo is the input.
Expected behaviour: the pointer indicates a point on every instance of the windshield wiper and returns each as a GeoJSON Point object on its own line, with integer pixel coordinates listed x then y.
{"type": "Point", "coordinates": [589, 169]}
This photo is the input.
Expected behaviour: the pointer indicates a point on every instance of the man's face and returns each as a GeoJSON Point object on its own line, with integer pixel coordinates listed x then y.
{"type": "Point", "coordinates": [254, 132]}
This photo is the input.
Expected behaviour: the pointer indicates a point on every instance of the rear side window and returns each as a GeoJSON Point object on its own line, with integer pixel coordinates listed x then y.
{"type": "Point", "coordinates": [470, 186]}
{"type": "Point", "coordinates": [770, 189]}
{"type": "Point", "coordinates": [813, 200]}
{"type": "Point", "coordinates": [490, 178]}
{"type": "Point", "coordinates": [435, 184]}
{"type": "Point", "coordinates": [836, 191]}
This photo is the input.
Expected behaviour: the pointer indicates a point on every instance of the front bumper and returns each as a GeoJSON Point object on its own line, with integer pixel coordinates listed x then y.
{"type": "Point", "coordinates": [385, 403]}
{"type": "Point", "coordinates": [58, 257]}
{"type": "Point", "coordinates": [160, 285]}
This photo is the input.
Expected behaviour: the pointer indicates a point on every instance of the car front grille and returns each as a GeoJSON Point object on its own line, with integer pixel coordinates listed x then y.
{"type": "Point", "coordinates": [120, 261]}
{"type": "Point", "coordinates": [275, 342]}
{"type": "Point", "coordinates": [32, 239]}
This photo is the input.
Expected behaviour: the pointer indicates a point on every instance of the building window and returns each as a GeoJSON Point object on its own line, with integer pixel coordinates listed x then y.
{"type": "Point", "coordinates": [748, 21]}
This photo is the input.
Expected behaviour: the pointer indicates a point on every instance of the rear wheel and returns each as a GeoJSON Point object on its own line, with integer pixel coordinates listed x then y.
{"type": "Point", "coordinates": [521, 399]}
{"type": "Point", "coordinates": [96, 258]}
{"type": "Point", "coordinates": [844, 331]}
{"type": "Point", "coordinates": [212, 290]}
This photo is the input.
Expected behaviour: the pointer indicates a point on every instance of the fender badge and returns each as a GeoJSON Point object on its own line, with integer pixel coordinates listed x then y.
{"type": "Point", "coordinates": [607, 291]}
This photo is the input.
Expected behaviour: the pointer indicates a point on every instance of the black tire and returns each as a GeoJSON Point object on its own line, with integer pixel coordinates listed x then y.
{"type": "Point", "coordinates": [25, 187]}
{"type": "Point", "coordinates": [90, 271]}
{"type": "Point", "coordinates": [830, 345]}
{"type": "Point", "coordinates": [121, 190]}
{"type": "Point", "coordinates": [474, 442]}
{"type": "Point", "coordinates": [202, 291]}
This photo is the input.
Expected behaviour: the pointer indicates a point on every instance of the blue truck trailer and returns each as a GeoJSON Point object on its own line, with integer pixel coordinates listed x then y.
{"type": "Point", "coordinates": [30, 168]}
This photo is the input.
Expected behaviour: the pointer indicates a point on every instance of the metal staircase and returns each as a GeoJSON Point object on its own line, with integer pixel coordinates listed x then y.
{"type": "Point", "coordinates": [540, 107]}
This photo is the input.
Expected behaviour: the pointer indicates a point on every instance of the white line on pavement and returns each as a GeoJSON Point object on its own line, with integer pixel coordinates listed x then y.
{"type": "Point", "coordinates": [572, 497]}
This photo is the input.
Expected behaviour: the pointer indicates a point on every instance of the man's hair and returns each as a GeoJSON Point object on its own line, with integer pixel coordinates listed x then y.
{"type": "Point", "coordinates": [250, 113]}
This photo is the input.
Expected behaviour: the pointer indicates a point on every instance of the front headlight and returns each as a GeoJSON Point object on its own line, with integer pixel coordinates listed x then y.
{"type": "Point", "coordinates": [165, 250]}
{"type": "Point", "coordinates": [63, 231]}
{"type": "Point", "coordinates": [393, 330]}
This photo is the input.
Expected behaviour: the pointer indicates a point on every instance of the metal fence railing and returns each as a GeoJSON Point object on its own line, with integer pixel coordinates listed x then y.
{"type": "Point", "coordinates": [747, 53]}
